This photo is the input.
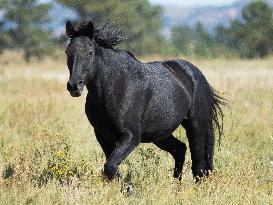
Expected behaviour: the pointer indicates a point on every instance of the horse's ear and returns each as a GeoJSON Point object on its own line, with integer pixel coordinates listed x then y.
{"type": "Point", "coordinates": [70, 30]}
{"type": "Point", "coordinates": [87, 30]}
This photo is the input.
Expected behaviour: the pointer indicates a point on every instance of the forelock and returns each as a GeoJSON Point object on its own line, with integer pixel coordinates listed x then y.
{"type": "Point", "coordinates": [79, 44]}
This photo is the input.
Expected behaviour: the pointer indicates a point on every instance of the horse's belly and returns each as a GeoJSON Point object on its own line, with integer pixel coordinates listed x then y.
{"type": "Point", "coordinates": [158, 129]}
{"type": "Point", "coordinates": [166, 110]}
{"type": "Point", "coordinates": [162, 124]}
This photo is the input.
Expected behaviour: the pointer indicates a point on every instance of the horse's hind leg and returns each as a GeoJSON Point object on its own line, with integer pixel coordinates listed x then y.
{"type": "Point", "coordinates": [177, 149]}
{"type": "Point", "coordinates": [197, 133]}
{"type": "Point", "coordinates": [209, 150]}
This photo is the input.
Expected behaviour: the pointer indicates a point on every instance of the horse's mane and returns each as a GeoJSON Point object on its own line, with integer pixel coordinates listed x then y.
{"type": "Point", "coordinates": [107, 34]}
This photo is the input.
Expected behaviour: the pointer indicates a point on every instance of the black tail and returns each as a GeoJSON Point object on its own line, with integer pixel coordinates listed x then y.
{"type": "Point", "coordinates": [216, 123]}
{"type": "Point", "coordinates": [217, 116]}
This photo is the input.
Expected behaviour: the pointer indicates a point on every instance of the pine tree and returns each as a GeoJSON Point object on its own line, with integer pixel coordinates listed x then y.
{"type": "Point", "coordinates": [28, 19]}
{"type": "Point", "coordinates": [257, 29]}
{"type": "Point", "coordinates": [203, 42]}
{"type": "Point", "coordinates": [252, 35]}
{"type": "Point", "coordinates": [5, 39]}
{"type": "Point", "coordinates": [139, 20]}
{"type": "Point", "coordinates": [193, 41]}
{"type": "Point", "coordinates": [182, 39]}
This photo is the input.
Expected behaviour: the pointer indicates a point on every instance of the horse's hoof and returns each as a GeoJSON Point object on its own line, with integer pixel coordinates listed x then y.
{"type": "Point", "coordinates": [178, 176]}
{"type": "Point", "coordinates": [110, 171]}
{"type": "Point", "coordinates": [201, 177]}
{"type": "Point", "coordinates": [129, 189]}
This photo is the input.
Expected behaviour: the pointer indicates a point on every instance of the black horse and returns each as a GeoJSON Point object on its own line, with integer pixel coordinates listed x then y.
{"type": "Point", "coordinates": [130, 102]}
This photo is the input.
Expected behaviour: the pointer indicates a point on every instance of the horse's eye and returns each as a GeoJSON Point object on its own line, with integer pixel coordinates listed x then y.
{"type": "Point", "coordinates": [91, 52]}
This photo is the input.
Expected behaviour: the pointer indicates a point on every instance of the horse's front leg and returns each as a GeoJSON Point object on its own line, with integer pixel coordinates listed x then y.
{"type": "Point", "coordinates": [127, 142]}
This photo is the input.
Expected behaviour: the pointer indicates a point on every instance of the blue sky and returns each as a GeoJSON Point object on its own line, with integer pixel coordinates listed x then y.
{"type": "Point", "coordinates": [187, 2]}
{"type": "Point", "coordinates": [194, 2]}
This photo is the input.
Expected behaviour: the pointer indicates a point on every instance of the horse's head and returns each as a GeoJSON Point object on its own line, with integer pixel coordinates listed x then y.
{"type": "Point", "coordinates": [80, 56]}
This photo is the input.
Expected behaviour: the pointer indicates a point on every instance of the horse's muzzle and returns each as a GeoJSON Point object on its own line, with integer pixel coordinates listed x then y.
{"type": "Point", "coordinates": [75, 89]}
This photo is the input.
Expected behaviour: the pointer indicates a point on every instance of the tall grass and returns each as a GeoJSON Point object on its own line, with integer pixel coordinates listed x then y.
{"type": "Point", "coordinates": [49, 155]}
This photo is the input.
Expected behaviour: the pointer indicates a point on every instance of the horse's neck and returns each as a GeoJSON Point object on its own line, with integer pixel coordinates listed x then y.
{"type": "Point", "coordinates": [108, 60]}
{"type": "Point", "coordinates": [108, 63]}
{"type": "Point", "coordinates": [112, 64]}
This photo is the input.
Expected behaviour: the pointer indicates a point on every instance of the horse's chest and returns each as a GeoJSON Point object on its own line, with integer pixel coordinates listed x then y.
{"type": "Point", "coordinates": [99, 118]}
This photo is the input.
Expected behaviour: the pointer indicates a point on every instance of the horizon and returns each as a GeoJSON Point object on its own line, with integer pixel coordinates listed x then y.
{"type": "Point", "coordinates": [185, 3]}
{"type": "Point", "coordinates": [194, 3]}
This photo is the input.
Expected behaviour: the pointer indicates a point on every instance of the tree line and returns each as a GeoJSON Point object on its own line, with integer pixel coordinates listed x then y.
{"type": "Point", "coordinates": [24, 25]}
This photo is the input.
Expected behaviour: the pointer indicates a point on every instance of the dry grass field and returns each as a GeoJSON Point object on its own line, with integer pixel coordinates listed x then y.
{"type": "Point", "coordinates": [49, 155]}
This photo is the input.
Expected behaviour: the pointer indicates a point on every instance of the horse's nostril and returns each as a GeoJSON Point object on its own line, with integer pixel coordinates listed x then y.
{"type": "Point", "coordinates": [80, 82]}
{"type": "Point", "coordinates": [69, 87]}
